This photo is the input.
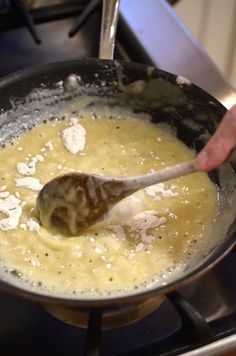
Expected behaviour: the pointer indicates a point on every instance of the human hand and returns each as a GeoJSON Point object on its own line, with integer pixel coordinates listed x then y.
{"type": "Point", "coordinates": [220, 145]}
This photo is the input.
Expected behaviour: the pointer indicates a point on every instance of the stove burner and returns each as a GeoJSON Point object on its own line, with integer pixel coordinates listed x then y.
{"type": "Point", "coordinates": [111, 318]}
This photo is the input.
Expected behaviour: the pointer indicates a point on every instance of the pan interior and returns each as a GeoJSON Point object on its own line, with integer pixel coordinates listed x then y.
{"type": "Point", "coordinates": [190, 113]}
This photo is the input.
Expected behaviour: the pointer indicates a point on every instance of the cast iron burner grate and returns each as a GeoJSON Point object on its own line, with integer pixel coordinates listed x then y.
{"type": "Point", "coordinates": [15, 14]}
{"type": "Point", "coordinates": [193, 333]}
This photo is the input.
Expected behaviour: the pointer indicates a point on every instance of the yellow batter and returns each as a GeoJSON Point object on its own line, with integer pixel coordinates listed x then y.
{"type": "Point", "coordinates": [147, 238]}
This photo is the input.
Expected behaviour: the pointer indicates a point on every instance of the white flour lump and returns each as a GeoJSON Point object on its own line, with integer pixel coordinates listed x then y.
{"type": "Point", "coordinates": [29, 183]}
{"type": "Point", "coordinates": [143, 222]}
{"type": "Point", "coordinates": [158, 191]}
{"type": "Point", "coordinates": [131, 215]}
{"type": "Point", "coordinates": [33, 224]}
{"type": "Point", "coordinates": [29, 169]}
{"type": "Point", "coordinates": [74, 137]}
{"type": "Point", "coordinates": [4, 194]}
{"type": "Point", "coordinates": [10, 206]}
{"type": "Point", "coordinates": [49, 145]}
{"type": "Point", "coordinates": [183, 80]}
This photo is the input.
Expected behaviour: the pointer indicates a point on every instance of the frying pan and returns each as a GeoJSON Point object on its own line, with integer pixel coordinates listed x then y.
{"type": "Point", "coordinates": [32, 96]}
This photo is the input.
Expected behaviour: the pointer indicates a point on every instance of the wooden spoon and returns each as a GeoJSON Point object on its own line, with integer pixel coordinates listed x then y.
{"type": "Point", "coordinates": [75, 201]}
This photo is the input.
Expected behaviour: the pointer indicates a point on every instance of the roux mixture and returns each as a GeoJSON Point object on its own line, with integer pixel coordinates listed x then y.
{"type": "Point", "coordinates": [147, 238]}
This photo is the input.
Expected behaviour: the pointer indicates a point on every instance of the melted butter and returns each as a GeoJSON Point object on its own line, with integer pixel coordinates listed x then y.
{"type": "Point", "coordinates": [110, 257]}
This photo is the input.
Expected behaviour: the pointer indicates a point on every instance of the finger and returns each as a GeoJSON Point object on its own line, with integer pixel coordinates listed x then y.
{"type": "Point", "coordinates": [220, 145]}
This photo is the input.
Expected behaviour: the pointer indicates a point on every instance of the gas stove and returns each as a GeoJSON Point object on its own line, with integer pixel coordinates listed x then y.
{"type": "Point", "coordinates": [201, 318]}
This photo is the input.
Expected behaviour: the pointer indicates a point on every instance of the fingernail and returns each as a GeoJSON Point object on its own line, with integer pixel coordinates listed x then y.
{"type": "Point", "coordinates": [202, 159]}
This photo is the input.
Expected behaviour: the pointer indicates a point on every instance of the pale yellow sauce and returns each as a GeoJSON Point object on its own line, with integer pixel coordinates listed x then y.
{"type": "Point", "coordinates": [102, 259]}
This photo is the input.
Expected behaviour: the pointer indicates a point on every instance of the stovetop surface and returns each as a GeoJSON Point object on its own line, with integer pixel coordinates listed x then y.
{"type": "Point", "coordinates": [18, 50]}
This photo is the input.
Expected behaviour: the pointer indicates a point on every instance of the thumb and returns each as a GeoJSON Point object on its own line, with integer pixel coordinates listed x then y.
{"type": "Point", "coordinates": [220, 145]}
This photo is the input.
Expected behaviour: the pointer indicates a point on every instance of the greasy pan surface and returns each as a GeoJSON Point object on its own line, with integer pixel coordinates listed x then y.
{"type": "Point", "coordinates": [31, 96]}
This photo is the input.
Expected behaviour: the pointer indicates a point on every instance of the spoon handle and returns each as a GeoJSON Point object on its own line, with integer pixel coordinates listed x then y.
{"type": "Point", "coordinates": [179, 170]}
{"type": "Point", "coordinates": [110, 15]}
{"type": "Point", "coordinates": [176, 171]}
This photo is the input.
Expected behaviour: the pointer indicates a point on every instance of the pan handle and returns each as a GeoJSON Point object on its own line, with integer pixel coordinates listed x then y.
{"type": "Point", "coordinates": [110, 15]}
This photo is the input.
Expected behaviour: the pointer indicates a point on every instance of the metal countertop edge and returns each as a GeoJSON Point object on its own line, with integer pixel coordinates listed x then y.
{"type": "Point", "coordinates": [215, 348]}
{"type": "Point", "coordinates": [173, 48]}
